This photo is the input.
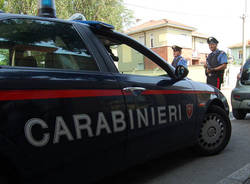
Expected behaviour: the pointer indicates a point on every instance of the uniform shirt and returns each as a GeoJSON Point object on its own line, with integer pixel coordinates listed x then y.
{"type": "Point", "coordinates": [222, 58]}
{"type": "Point", "coordinates": [182, 61]}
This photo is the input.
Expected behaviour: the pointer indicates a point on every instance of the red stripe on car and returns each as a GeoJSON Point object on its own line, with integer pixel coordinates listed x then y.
{"type": "Point", "coordinates": [10, 95]}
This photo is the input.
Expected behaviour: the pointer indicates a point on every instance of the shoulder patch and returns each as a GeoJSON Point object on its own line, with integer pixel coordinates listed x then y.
{"type": "Point", "coordinates": [222, 52]}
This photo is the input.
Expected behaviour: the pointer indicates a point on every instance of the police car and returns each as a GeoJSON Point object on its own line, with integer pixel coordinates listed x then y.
{"type": "Point", "coordinates": [79, 100]}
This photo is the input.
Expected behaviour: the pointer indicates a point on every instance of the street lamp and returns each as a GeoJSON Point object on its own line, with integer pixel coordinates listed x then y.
{"type": "Point", "coordinates": [243, 34]}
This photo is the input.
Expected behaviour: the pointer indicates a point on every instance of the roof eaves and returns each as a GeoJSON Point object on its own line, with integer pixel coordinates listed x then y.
{"type": "Point", "coordinates": [182, 27]}
{"type": "Point", "coordinates": [237, 46]}
{"type": "Point", "coordinates": [147, 29]}
{"type": "Point", "coordinates": [160, 26]}
{"type": "Point", "coordinates": [233, 47]}
{"type": "Point", "coordinates": [199, 36]}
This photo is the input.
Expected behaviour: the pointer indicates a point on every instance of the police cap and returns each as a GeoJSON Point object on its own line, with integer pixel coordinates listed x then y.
{"type": "Point", "coordinates": [176, 48]}
{"type": "Point", "coordinates": [212, 40]}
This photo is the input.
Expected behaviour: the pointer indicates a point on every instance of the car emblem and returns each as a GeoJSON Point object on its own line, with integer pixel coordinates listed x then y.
{"type": "Point", "coordinates": [189, 110]}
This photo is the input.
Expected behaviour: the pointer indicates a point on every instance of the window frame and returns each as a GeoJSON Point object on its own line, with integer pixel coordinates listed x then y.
{"type": "Point", "coordinates": [152, 40]}
{"type": "Point", "coordinates": [141, 39]}
{"type": "Point", "coordinates": [154, 57]}
{"type": "Point", "coordinates": [240, 54]}
{"type": "Point", "coordinates": [96, 58]}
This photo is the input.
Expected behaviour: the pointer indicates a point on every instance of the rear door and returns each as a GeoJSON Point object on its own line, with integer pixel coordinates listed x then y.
{"type": "Point", "coordinates": [59, 106]}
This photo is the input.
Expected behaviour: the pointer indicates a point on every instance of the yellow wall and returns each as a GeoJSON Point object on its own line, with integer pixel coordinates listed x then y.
{"type": "Point", "coordinates": [166, 36]}
{"type": "Point", "coordinates": [160, 37]}
{"type": "Point", "coordinates": [137, 36]}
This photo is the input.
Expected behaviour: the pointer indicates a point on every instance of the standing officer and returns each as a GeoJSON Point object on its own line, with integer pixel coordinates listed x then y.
{"type": "Point", "coordinates": [178, 59]}
{"type": "Point", "coordinates": [216, 64]}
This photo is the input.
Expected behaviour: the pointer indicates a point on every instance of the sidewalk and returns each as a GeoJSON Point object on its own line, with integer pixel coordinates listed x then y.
{"type": "Point", "coordinates": [242, 176]}
{"type": "Point", "coordinates": [227, 92]}
{"type": "Point", "coordinates": [230, 82]}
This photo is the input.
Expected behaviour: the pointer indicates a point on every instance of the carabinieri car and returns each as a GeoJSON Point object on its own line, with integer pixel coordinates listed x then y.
{"type": "Point", "coordinates": [80, 101]}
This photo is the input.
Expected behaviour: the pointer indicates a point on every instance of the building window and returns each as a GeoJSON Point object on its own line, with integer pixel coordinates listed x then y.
{"type": "Point", "coordinates": [142, 40]}
{"type": "Point", "coordinates": [240, 54]}
{"type": "Point", "coordinates": [151, 40]}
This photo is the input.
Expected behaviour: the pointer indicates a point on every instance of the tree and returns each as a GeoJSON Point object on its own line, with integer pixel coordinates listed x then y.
{"type": "Point", "coordinates": [4, 56]}
{"type": "Point", "coordinates": [21, 6]}
{"type": "Point", "coordinates": [110, 11]}
{"type": "Point", "coordinates": [2, 4]}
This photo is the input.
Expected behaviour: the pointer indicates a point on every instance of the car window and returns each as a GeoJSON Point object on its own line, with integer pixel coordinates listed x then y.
{"type": "Point", "coordinates": [43, 44]}
{"type": "Point", "coordinates": [245, 76]}
{"type": "Point", "coordinates": [128, 60]}
{"type": "Point", "coordinates": [4, 56]}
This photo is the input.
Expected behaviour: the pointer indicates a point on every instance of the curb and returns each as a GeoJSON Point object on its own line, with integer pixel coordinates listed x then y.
{"type": "Point", "coordinates": [241, 176]}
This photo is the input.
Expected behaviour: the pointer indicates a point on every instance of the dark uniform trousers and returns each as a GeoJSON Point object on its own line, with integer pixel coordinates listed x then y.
{"type": "Point", "coordinates": [215, 80]}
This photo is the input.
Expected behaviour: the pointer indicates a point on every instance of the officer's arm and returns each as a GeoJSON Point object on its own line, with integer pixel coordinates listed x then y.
{"type": "Point", "coordinates": [221, 67]}
{"type": "Point", "coordinates": [223, 61]}
{"type": "Point", "coordinates": [182, 62]}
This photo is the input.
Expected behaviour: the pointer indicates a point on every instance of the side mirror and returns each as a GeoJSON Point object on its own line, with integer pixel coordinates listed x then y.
{"type": "Point", "coordinates": [181, 72]}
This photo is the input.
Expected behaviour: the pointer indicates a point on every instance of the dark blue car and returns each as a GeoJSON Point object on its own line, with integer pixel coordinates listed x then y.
{"type": "Point", "coordinates": [81, 101]}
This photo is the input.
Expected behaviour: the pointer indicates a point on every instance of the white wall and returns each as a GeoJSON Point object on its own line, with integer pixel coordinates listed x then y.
{"type": "Point", "coordinates": [182, 38]}
{"type": "Point", "coordinates": [201, 45]}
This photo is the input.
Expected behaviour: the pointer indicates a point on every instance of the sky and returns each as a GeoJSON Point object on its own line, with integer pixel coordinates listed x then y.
{"type": "Point", "coordinates": [218, 18]}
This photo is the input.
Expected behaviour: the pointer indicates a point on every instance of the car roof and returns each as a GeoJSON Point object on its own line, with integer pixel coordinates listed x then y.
{"type": "Point", "coordinates": [21, 16]}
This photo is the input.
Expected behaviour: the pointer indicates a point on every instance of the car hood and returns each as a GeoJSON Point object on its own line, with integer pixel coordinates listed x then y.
{"type": "Point", "coordinates": [199, 86]}
{"type": "Point", "coordinates": [217, 94]}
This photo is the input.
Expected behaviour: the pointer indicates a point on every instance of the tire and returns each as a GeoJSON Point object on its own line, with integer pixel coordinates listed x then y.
{"type": "Point", "coordinates": [215, 132]}
{"type": "Point", "coordinates": [239, 114]}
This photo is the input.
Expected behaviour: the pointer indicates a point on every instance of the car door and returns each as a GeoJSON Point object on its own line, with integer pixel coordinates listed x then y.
{"type": "Point", "coordinates": [60, 108]}
{"type": "Point", "coordinates": [160, 109]}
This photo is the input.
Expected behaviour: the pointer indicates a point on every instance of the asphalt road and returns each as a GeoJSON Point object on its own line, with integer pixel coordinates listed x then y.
{"type": "Point", "coordinates": [184, 167]}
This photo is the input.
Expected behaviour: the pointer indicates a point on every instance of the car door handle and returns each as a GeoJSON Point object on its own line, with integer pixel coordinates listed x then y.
{"type": "Point", "coordinates": [136, 91]}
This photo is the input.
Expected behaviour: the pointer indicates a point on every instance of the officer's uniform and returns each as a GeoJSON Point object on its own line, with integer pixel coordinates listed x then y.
{"type": "Point", "coordinates": [215, 59]}
{"type": "Point", "coordinates": [179, 60]}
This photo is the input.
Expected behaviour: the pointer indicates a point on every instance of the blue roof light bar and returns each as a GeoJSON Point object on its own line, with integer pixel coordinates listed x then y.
{"type": "Point", "coordinates": [47, 8]}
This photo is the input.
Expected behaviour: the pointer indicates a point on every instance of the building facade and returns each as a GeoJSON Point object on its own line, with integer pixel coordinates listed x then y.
{"type": "Point", "coordinates": [161, 35]}
{"type": "Point", "coordinates": [236, 52]}
{"type": "Point", "coordinates": [200, 48]}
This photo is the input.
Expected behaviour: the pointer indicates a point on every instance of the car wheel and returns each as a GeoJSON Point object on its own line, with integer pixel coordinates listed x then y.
{"type": "Point", "coordinates": [239, 114]}
{"type": "Point", "coordinates": [215, 132]}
